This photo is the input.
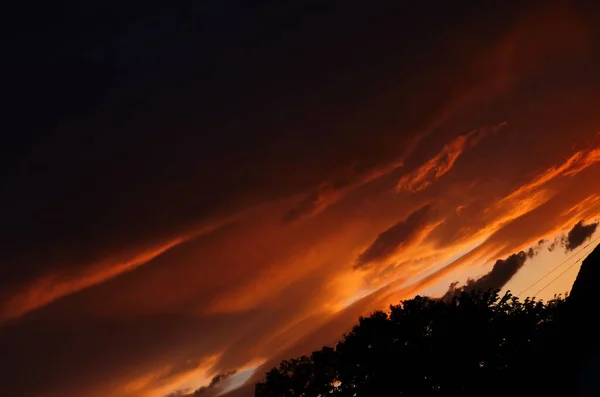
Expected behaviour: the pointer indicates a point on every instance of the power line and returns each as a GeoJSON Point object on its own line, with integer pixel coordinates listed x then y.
{"type": "Point", "coordinates": [556, 267]}
{"type": "Point", "coordinates": [557, 277]}
{"type": "Point", "coordinates": [566, 270]}
{"type": "Point", "coordinates": [550, 272]}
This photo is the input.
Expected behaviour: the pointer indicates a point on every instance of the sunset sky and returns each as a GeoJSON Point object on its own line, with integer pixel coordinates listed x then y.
{"type": "Point", "coordinates": [210, 188]}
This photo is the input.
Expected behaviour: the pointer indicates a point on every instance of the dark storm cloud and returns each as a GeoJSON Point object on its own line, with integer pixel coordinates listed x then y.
{"type": "Point", "coordinates": [501, 273]}
{"type": "Point", "coordinates": [178, 393]}
{"type": "Point", "coordinates": [575, 237]}
{"type": "Point", "coordinates": [579, 234]}
{"type": "Point", "coordinates": [215, 383]}
{"type": "Point", "coordinates": [214, 388]}
{"type": "Point", "coordinates": [401, 234]}
{"type": "Point", "coordinates": [552, 246]}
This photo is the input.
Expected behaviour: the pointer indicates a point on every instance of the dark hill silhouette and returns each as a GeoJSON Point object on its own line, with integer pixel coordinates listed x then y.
{"type": "Point", "coordinates": [586, 284]}
{"type": "Point", "coordinates": [478, 343]}
{"type": "Point", "coordinates": [582, 325]}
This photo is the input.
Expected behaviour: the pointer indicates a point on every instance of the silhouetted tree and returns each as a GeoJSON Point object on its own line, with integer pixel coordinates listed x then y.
{"type": "Point", "coordinates": [479, 343]}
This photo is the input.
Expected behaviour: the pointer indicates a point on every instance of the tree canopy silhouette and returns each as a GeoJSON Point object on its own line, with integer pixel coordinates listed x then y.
{"type": "Point", "coordinates": [479, 343]}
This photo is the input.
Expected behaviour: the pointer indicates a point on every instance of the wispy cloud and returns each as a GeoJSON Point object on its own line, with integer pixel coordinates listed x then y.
{"type": "Point", "coordinates": [54, 286]}
{"type": "Point", "coordinates": [585, 160]}
{"type": "Point", "coordinates": [330, 192]}
{"type": "Point", "coordinates": [576, 163]}
{"type": "Point", "coordinates": [443, 162]}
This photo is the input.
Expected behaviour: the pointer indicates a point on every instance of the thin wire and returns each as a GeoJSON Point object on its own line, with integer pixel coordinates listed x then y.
{"type": "Point", "coordinates": [557, 277]}
{"type": "Point", "coordinates": [566, 270]}
{"type": "Point", "coordinates": [559, 265]}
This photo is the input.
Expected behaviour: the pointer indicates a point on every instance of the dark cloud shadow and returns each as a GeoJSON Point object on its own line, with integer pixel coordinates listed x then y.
{"type": "Point", "coordinates": [578, 235]}
{"type": "Point", "coordinates": [389, 241]}
{"type": "Point", "coordinates": [501, 273]}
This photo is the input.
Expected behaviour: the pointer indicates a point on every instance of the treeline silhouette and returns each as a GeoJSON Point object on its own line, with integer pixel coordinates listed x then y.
{"type": "Point", "coordinates": [476, 344]}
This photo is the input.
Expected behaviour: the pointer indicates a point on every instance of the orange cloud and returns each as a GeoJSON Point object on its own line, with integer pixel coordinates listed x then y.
{"type": "Point", "coordinates": [576, 163]}
{"type": "Point", "coordinates": [587, 160]}
{"type": "Point", "coordinates": [160, 382]}
{"type": "Point", "coordinates": [583, 208]}
{"type": "Point", "coordinates": [443, 162]}
{"type": "Point", "coordinates": [52, 287]}
{"type": "Point", "coordinates": [48, 288]}
{"type": "Point", "coordinates": [330, 192]}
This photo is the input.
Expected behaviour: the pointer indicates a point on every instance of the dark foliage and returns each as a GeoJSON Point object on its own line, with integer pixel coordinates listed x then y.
{"type": "Point", "coordinates": [479, 343]}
